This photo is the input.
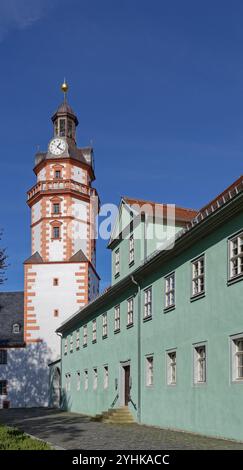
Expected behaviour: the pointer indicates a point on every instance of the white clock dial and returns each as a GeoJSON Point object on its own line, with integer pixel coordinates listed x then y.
{"type": "Point", "coordinates": [57, 146]}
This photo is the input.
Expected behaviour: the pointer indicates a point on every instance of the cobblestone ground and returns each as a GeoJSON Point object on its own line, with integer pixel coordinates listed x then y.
{"type": "Point", "coordinates": [73, 431]}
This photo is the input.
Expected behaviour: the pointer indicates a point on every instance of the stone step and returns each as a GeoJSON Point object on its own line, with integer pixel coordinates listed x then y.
{"type": "Point", "coordinates": [120, 415]}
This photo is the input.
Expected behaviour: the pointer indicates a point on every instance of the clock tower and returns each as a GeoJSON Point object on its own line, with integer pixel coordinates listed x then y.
{"type": "Point", "coordinates": [60, 275]}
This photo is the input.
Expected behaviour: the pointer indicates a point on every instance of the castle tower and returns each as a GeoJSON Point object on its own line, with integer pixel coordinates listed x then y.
{"type": "Point", "coordinates": [60, 275]}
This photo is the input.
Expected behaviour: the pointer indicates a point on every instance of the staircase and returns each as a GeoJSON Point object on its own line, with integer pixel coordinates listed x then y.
{"type": "Point", "coordinates": [120, 415]}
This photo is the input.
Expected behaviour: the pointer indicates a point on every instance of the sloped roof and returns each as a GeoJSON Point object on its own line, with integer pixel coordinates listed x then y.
{"type": "Point", "coordinates": [63, 109]}
{"type": "Point", "coordinates": [11, 312]}
{"type": "Point", "coordinates": [34, 259]}
{"type": "Point", "coordinates": [79, 257]}
{"type": "Point", "coordinates": [181, 213]}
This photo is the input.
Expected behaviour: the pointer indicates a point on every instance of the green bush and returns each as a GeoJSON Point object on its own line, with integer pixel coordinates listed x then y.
{"type": "Point", "coordinates": [13, 439]}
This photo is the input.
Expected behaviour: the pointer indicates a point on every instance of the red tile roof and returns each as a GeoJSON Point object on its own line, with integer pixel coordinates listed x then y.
{"type": "Point", "coordinates": [181, 213]}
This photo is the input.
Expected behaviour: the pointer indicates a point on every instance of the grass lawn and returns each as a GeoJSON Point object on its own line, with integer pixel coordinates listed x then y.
{"type": "Point", "coordinates": [13, 439]}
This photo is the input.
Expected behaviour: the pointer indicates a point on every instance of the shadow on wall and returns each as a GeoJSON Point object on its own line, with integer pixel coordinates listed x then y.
{"type": "Point", "coordinates": [27, 374]}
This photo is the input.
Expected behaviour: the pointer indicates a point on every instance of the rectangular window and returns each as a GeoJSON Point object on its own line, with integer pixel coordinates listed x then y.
{"type": "Point", "coordinates": [56, 208]}
{"type": "Point", "coordinates": [71, 343]}
{"type": "Point", "coordinates": [55, 281]}
{"type": "Point", "coordinates": [131, 249]}
{"type": "Point", "coordinates": [148, 303]}
{"type": "Point", "coordinates": [78, 381]}
{"type": "Point", "coordinates": [57, 174]}
{"type": "Point", "coordinates": [77, 339]}
{"type": "Point", "coordinates": [130, 303]}
{"type": "Point", "coordinates": [171, 367]}
{"type": "Point", "coordinates": [94, 331]}
{"type": "Point", "coordinates": [106, 377]}
{"type": "Point", "coordinates": [65, 346]}
{"type": "Point", "coordinates": [198, 276]}
{"type": "Point", "coordinates": [149, 371]}
{"type": "Point", "coordinates": [117, 262]}
{"type": "Point", "coordinates": [200, 364]}
{"type": "Point", "coordinates": [70, 128]}
{"type": "Point", "coordinates": [117, 318]}
{"type": "Point", "coordinates": [85, 335]}
{"type": "Point", "coordinates": [3, 387]}
{"type": "Point", "coordinates": [56, 312]}
{"type": "Point", "coordinates": [237, 358]}
{"type": "Point", "coordinates": [56, 232]}
{"type": "Point", "coordinates": [236, 256]}
{"type": "Point", "coordinates": [170, 290]}
{"type": "Point", "coordinates": [104, 325]}
{"type": "Point", "coordinates": [86, 380]}
{"type": "Point", "coordinates": [3, 356]}
{"type": "Point", "coordinates": [62, 127]}
{"type": "Point", "coordinates": [95, 378]}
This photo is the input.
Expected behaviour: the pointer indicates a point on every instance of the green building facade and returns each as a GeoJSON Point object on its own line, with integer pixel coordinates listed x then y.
{"type": "Point", "coordinates": [166, 339]}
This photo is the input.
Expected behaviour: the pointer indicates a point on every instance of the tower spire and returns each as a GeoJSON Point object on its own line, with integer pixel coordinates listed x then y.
{"type": "Point", "coordinates": [64, 88]}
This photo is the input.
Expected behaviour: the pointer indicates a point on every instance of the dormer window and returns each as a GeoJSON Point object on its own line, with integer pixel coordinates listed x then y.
{"type": "Point", "coordinates": [62, 127]}
{"type": "Point", "coordinates": [16, 328]}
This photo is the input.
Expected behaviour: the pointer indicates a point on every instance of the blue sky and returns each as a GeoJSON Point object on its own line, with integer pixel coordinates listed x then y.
{"type": "Point", "coordinates": [157, 86]}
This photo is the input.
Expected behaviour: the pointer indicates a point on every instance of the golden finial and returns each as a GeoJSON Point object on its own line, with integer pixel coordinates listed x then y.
{"type": "Point", "coordinates": [64, 88]}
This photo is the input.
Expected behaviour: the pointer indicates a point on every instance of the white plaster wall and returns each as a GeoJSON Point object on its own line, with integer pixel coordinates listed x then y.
{"type": "Point", "coordinates": [41, 175]}
{"type": "Point", "coordinates": [37, 238]}
{"type": "Point", "coordinates": [48, 297]}
{"type": "Point", "coordinates": [79, 175]}
{"type": "Point", "coordinates": [80, 209]}
{"type": "Point", "coordinates": [27, 374]}
{"type": "Point", "coordinates": [56, 249]}
{"type": "Point", "coordinates": [36, 212]}
{"type": "Point", "coordinates": [80, 237]}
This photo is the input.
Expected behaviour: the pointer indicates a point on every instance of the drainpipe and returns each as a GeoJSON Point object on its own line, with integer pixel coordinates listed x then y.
{"type": "Point", "coordinates": [139, 347]}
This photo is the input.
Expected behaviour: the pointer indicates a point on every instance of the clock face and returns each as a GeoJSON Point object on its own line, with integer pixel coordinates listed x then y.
{"type": "Point", "coordinates": [57, 146]}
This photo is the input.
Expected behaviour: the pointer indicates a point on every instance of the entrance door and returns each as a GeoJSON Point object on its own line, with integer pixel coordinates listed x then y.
{"type": "Point", "coordinates": [126, 384]}
{"type": "Point", "coordinates": [56, 388]}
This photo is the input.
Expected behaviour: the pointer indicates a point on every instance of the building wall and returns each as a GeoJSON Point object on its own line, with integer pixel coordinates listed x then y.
{"type": "Point", "coordinates": [214, 408]}
{"type": "Point", "coordinates": [43, 298]}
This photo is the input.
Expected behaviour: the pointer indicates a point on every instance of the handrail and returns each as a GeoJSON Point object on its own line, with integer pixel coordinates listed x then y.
{"type": "Point", "coordinates": [60, 184]}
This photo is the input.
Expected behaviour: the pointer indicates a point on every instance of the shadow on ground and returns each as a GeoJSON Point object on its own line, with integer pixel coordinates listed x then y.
{"type": "Point", "coordinates": [74, 431]}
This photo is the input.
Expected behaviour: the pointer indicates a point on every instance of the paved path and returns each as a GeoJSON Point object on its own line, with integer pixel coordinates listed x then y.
{"type": "Point", "coordinates": [73, 431]}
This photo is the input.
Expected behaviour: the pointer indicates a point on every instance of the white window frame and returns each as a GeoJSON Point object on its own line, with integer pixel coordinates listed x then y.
{"type": "Point", "coordinates": [235, 355]}
{"type": "Point", "coordinates": [131, 248]}
{"type": "Point", "coordinates": [199, 371]}
{"type": "Point", "coordinates": [85, 335]}
{"type": "Point", "coordinates": [170, 291]}
{"type": "Point", "coordinates": [147, 303]}
{"type": "Point", "coordinates": [71, 343]}
{"type": "Point", "coordinates": [198, 276]}
{"type": "Point", "coordinates": [77, 339]}
{"type": "Point", "coordinates": [149, 370]}
{"type": "Point", "coordinates": [78, 381]}
{"type": "Point", "coordinates": [95, 378]}
{"type": "Point", "coordinates": [117, 318]}
{"type": "Point", "coordinates": [171, 366]}
{"type": "Point", "coordinates": [235, 256]}
{"type": "Point", "coordinates": [130, 311]}
{"type": "Point", "coordinates": [106, 377]}
{"type": "Point", "coordinates": [94, 331]}
{"type": "Point", "coordinates": [104, 325]}
{"type": "Point", "coordinates": [117, 262]}
{"type": "Point", "coordinates": [86, 379]}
